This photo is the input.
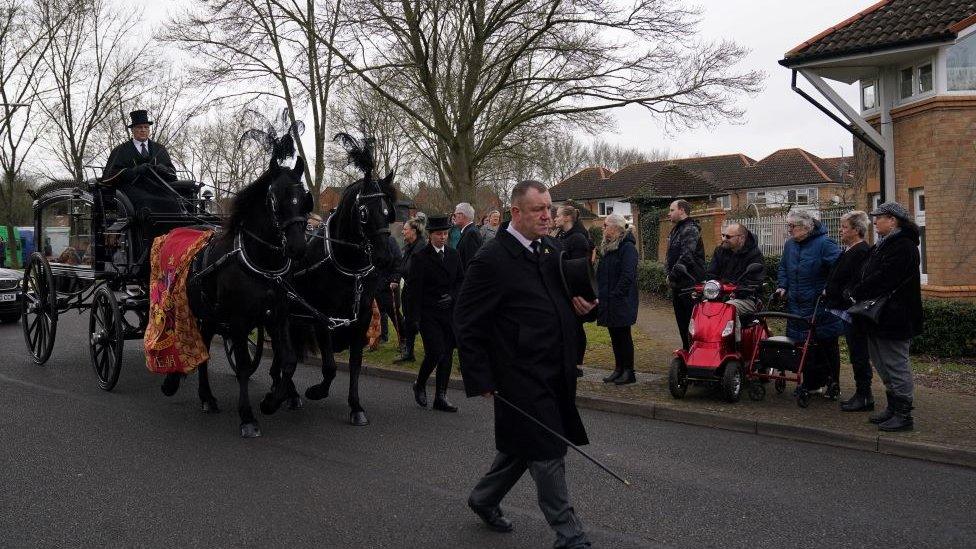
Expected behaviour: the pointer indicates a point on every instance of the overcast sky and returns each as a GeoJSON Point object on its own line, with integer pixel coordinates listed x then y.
{"type": "Point", "coordinates": [776, 118]}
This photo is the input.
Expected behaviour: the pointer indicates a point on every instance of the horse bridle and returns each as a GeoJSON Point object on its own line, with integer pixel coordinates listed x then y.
{"type": "Point", "coordinates": [272, 202]}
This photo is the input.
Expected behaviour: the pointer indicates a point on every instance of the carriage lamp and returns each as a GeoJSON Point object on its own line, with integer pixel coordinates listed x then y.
{"type": "Point", "coordinates": [208, 201]}
{"type": "Point", "coordinates": [711, 290]}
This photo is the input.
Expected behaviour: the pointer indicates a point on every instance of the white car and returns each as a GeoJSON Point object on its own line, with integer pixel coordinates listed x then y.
{"type": "Point", "coordinates": [10, 295]}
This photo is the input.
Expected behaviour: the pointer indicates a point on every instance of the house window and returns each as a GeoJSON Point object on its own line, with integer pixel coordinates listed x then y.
{"type": "Point", "coordinates": [875, 200]}
{"type": "Point", "coordinates": [918, 202]}
{"type": "Point", "coordinates": [906, 82]}
{"type": "Point", "coordinates": [725, 202]}
{"type": "Point", "coordinates": [924, 77]}
{"type": "Point", "coordinates": [961, 65]}
{"type": "Point", "coordinates": [605, 208]}
{"type": "Point", "coordinates": [869, 95]}
{"type": "Point", "coordinates": [802, 196]}
{"type": "Point", "coordinates": [756, 197]}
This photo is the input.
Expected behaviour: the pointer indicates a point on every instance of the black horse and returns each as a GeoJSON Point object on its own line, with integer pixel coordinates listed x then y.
{"type": "Point", "coordinates": [236, 282]}
{"type": "Point", "coordinates": [338, 277]}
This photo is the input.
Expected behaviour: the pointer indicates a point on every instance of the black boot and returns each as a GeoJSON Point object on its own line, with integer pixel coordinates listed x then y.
{"type": "Point", "coordinates": [420, 395]}
{"type": "Point", "coordinates": [441, 403]}
{"type": "Point", "coordinates": [862, 401]}
{"type": "Point", "coordinates": [884, 415]}
{"type": "Point", "coordinates": [406, 355]}
{"type": "Point", "coordinates": [626, 377]}
{"type": "Point", "coordinates": [613, 376]}
{"type": "Point", "coordinates": [901, 418]}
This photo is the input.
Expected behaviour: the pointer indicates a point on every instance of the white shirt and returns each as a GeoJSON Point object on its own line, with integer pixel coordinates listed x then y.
{"type": "Point", "coordinates": [438, 250]}
{"type": "Point", "coordinates": [138, 145]}
{"type": "Point", "coordinates": [518, 236]}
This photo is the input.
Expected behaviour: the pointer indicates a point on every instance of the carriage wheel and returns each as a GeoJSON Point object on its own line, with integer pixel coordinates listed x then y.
{"type": "Point", "coordinates": [39, 308]}
{"type": "Point", "coordinates": [255, 347]}
{"type": "Point", "coordinates": [106, 337]}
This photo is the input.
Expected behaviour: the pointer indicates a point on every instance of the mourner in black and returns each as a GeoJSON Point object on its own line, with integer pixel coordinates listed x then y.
{"type": "Point", "coordinates": [516, 331]}
{"type": "Point", "coordinates": [576, 243]}
{"type": "Point", "coordinates": [685, 247]}
{"type": "Point", "coordinates": [139, 164]}
{"type": "Point", "coordinates": [470, 241]}
{"type": "Point", "coordinates": [389, 276]}
{"type": "Point", "coordinates": [413, 238]}
{"type": "Point", "coordinates": [434, 280]}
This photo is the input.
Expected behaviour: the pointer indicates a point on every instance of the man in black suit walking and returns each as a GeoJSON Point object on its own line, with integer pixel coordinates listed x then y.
{"type": "Point", "coordinates": [516, 331]}
{"type": "Point", "coordinates": [470, 241]}
{"type": "Point", "coordinates": [134, 159]}
{"type": "Point", "coordinates": [434, 280]}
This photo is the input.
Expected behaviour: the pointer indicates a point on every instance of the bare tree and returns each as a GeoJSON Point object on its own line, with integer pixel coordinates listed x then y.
{"type": "Point", "coordinates": [471, 73]}
{"type": "Point", "coordinates": [95, 62]}
{"type": "Point", "coordinates": [246, 50]}
{"type": "Point", "coordinates": [214, 154]}
{"type": "Point", "coordinates": [23, 44]}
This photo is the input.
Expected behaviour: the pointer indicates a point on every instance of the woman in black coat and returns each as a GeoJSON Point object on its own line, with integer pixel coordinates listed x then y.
{"type": "Point", "coordinates": [413, 238]}
{"type": "Point", "coordinates": [837, 295]}
{"type": "Point", "coordinates": [616, 277]}
{"type": "Point", "coordinates": [576, 244]}
{"type": "Point", "coordinates": [892, 272]}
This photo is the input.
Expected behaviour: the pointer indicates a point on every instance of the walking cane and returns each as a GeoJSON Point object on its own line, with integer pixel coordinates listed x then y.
{"type": "Point", "coordinates": [564, 439]}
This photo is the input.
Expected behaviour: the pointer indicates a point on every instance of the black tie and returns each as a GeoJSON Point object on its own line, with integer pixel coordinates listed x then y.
{"type": "Point", "coordinates": [145, 152]}
{"type": "Point", "coordinates": [440, 255]}
{"type": "Point", "coordinates": [535, 247]}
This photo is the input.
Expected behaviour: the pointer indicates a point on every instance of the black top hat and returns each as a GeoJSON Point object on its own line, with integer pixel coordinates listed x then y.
{"type": "Point", "coordinates": [578, 277]}
{"type": "Point", "coordinates": [139, 117]}
{"type": "Point", "coordinates": [438, 223]}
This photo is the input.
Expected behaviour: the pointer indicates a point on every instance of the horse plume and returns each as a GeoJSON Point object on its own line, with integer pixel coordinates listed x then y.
{"type": "Point", "coordinates": [280, 148]}
{"type": "Point", "coordinates": [360, 153]}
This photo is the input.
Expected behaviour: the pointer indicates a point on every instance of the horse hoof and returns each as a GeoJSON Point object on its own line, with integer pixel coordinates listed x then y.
{"type": "Point", "coordinates": [250, 430]}
{"type": "Point", "coordinates": [171, 384]}
{"type": "Point", "coordinates": [316, 392]}
{"type": "Point", "coordinates": [269, 405]}
{"type": "Point", "coordinates": [358, 419]}
{"type": "Point", "coordinates": [210, 407]}
{"type": "Point", "coordinates": [295, 403]}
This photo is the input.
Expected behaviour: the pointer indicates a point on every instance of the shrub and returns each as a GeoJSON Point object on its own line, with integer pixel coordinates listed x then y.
{"type": "Point", "coordinates": [651, 279]}
{"type": "Point", "coordinates": [950, 329]}
{"type": "Point", "coordinates": [596, 234]}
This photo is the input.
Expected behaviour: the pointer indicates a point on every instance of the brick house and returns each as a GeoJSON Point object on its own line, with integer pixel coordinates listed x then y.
{"type": "Point", "coordinates": [790, 177]}
{"type": "Point", "coordinates": [914, 62]}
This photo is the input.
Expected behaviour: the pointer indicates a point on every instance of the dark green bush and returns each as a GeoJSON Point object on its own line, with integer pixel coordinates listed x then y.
{"type": "Point", "coordinates": [950, 329]}
{"type": "Point", "coordinates": [596, 234]}
{"type": "Point", "coordinates": [651, 279]}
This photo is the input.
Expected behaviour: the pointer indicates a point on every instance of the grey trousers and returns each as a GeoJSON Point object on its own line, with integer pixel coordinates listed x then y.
{"type": "Point", "coordinates": [890, 359]}
{"type": "Point", "coordinates": [550, 484]}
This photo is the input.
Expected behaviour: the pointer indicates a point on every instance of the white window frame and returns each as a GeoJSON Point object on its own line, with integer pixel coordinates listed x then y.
{"type": "Point", "coordinates": [874, 200]}
{"type": "Point", "coordinates": [725, 202]}
{"type": "Point", "coordinates": [604, 208]}
{"type": "Point", "coordinates": [809, 192]}
{"type": "Point", "coordinates": [918, 208]}
{"type": "Point", "coordinates": [916, 94]}
{"type": "Point", "coordinates": [944, 63]}
{"type": "Point", "coordinates": [752, 197]}
{"type": "Point", "coordinates": [872, 83]}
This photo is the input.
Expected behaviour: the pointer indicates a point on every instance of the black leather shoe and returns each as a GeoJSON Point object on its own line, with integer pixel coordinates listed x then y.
{"type": "Point", "coordinates": [493, 518]}
{"type": "Point", "coordinates": [420, 395]}
{"type": "Point", "coordinates": [401, 359]}
{"type": "Point", "coordinates": [626, 377]}
{"type": "Point", "coordinates": [442, 404]}
{"type": "Point", "coordinates": [613, 376]}
{"type": "Point", "coordinates": [858, 403]}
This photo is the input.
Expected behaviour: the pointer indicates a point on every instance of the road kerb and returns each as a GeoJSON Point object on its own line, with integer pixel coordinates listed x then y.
{"type": "Point", "coordinates": [817, 436]}
{"type": "Point", "coordinates": [929, 452]}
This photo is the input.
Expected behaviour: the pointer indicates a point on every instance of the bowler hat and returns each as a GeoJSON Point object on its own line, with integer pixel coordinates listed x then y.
{"type": "Point", "coordinates": [578, 277]}
{"type": "Point", "coordinates": [139, 117]}
{"type": "Point", "coordinates": [893, 209]}
{"type": "Point", "coordinates": [438, 223]}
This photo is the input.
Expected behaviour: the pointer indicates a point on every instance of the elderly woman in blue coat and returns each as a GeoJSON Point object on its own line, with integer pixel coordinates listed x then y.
{"type": "Point", "coordinates": [808, 259]}
{"type": "Point", "coordinates": [616, 279]}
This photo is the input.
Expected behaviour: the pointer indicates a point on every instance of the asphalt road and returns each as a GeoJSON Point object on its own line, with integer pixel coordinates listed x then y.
{"type": "Point", "coordinates": [80, 467]}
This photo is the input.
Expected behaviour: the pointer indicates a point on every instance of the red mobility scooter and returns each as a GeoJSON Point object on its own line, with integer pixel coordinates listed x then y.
{"type": "Point", "coordinates": [715, 357]}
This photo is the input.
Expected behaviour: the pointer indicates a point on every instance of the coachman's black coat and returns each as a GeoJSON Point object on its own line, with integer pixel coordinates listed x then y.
{"type": "Point", "coordinates": [126, 164]}
{"type": "Point", "coordinates": [516, 332]}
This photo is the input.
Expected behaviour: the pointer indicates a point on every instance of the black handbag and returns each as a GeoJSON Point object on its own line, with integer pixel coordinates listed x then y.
{"type": "Point", "coordinates": [870, 309]}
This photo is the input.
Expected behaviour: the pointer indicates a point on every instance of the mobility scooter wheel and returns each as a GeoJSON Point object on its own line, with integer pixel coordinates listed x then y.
{"type": "Point", "coordinates": [780, 385]}
{"type": "Point", "coordinates": [803, 399]}
{"type": "Point", "coordinates": [757, 391]}
{"type": "Point", "coordinates": [678, 378]}
{"type": "Point", "coordinates": [732, 381]}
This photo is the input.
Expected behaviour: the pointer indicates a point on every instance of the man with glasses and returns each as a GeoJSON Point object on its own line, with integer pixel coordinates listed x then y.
{"type": "Point", "coordinates": [732, 257]}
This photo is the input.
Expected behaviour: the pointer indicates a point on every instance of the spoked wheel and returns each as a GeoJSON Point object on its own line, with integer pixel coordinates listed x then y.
{"type": "Point", "coordinates": [255, 347]}
{"type": "Point", "coordinates": [40, 308]}
{"type": "Point", "coordinates": [757, 391]}
{"type": "Point", "coordinates": [732, 381]}
{"type": "Point", "coordinates": [678, 378]}
{"type": "Point", "coordinates": [106, 337]}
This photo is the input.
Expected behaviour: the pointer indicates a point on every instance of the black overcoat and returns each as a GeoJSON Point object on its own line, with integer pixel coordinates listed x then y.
{"type": "Point", "coordinates": [576, 242]}
{"type": "Point", "coordinates": [469, 244]}
{"type": "Point", "coordinates": [430, 279]}
{"type": "Point", "coordinates": [893, 266]}
{"type": "Point", "coordinates": [846, 275]}
{"type": "Point", "coordinates": [516, 334]}
{"type": "Point", "coordinates": [124, 163]}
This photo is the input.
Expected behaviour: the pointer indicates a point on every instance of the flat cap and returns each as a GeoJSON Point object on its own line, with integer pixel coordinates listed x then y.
{"type": "Point", "coordinates": [893, 209]}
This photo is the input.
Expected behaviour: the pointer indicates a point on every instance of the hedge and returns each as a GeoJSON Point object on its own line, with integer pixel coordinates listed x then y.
{"type": "Point", "coordinates": [950, 326]}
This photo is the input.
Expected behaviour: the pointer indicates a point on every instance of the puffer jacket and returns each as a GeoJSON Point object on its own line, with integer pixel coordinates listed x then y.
{"type": "Point", "coordinates": [803, 273]}
{"type": "Point", "coordinates": [893, 267]}
{"type": "Point", "coordinates": [616, 279]}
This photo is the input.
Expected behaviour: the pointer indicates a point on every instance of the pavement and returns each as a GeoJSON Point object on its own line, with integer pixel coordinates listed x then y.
{"type": "Point", "coordinates": [80, 467]}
